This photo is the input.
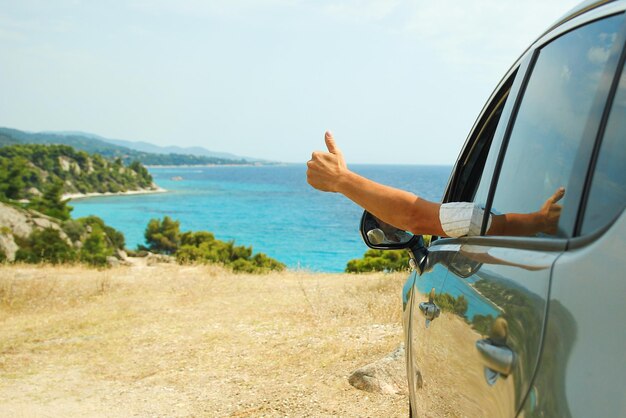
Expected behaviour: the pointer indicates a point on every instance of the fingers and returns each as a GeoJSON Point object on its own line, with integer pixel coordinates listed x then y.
{"type": "Point", "coordinates": [330, 143]}
{"type": "Point", "coordinates": [558, 195]}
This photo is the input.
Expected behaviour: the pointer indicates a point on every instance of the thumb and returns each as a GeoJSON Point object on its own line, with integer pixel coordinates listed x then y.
{"type": "Point", "coordinates": [330, 143]}
{"type": "Point", "coordinates": [558, 195]}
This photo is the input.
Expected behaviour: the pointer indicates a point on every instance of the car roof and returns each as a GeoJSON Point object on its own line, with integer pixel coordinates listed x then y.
{"type": "Point", "coordinates": [578, 10]}
{"type": "Point", "coordinates": [582, 8]}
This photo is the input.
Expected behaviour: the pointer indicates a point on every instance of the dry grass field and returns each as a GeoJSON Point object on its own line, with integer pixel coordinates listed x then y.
{"type": "Point", "coordinates": [172, 340]}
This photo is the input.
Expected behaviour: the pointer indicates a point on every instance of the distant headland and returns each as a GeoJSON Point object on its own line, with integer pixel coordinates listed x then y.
{"type": "Point", "coordinates": [128, 151]}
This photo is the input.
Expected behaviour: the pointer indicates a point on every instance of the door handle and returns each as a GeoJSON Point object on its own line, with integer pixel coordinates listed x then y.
{"type": "Point", "coordinates": [429, 309]}
{"type": "Point", "coordinates": [499, 359]}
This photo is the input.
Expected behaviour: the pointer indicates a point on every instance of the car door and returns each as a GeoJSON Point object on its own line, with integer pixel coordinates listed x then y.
{"type": "Point", "coordinates": [478, 311]}
{"type": "Point", "coordinates": [582, 371]}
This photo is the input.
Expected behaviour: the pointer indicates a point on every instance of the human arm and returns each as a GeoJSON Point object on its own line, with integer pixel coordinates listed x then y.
{"type": "Point", "coordinates": [545, 220]}
{"type": "Point", "coordinates": [327, 171]}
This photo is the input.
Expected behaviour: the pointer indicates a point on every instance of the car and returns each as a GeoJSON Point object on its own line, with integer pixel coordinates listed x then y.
{"type": "Point", "coordinates": [499, 326]}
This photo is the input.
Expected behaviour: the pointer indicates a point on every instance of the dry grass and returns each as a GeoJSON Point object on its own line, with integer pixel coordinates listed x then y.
{"type": "Point", "coordinates": [192, 341]}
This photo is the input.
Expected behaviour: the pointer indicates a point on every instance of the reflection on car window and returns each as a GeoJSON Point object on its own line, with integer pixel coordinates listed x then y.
{"type": "Point", "coordinates": [607, 197]}
{"type": "Point", "coordinates": [551, 121]}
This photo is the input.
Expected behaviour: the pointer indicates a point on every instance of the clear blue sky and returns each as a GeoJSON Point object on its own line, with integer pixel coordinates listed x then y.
{"type": "Point", "coordinates": [396, 81]}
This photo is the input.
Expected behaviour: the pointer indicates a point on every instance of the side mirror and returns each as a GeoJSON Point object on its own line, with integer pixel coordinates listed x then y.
{"type": "Point", "coordinates": [382, 236]}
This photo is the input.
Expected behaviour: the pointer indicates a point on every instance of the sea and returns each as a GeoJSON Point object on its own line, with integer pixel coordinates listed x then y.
{"type": "Point", "coordinates": [271, 208]}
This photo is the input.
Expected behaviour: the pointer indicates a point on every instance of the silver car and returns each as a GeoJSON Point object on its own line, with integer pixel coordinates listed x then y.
{"type": "Point", "coordinates": [499, 326]}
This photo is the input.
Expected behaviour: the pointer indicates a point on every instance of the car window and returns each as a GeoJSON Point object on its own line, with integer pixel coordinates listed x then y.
{"type": "Point", "coordinates": [544, 152]}
{"type": "Point", "coordinates": [607, 196]}
{"type": "Point", "coordinates": [471, 164]}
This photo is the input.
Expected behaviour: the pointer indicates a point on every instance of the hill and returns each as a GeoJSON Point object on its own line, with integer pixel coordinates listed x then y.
{"type": "Point", "coordinates": [156, 149]}
{"type": "Point", "coordinates": [26, 171]}
{"type": "Point", "coordinates": [29, 236]}
{"type": "Point", "coordinates": [112, 149]}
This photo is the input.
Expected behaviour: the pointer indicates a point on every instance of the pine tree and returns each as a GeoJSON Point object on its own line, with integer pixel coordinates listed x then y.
{"type": "Point", "coordinates": [51, 202]}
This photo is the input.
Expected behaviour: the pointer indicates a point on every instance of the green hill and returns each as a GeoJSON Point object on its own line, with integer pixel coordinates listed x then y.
{"type": "Point", "coordinates": [27, 171]}
{"type": "Point", "coordinates": [91, 144]}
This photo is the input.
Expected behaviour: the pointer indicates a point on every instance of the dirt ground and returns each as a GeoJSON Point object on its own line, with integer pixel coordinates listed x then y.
{"type": "Point", "coordinates": [173, 341]}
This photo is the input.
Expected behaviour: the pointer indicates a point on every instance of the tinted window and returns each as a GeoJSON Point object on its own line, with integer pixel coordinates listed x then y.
{"type": "Point", "coordinates": [559, 107]}
{"type": "Point", "coordinates": [607, 196]}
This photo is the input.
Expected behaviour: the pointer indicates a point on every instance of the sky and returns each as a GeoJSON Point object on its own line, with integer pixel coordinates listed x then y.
{"type": "Point", "coordinates": [397, 82]}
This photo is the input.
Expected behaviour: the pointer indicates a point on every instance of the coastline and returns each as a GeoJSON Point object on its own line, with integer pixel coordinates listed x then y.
{"type": "Point", "coordinates": [76, 196]}
{"type": "Point", "coordinates": [216, 165]}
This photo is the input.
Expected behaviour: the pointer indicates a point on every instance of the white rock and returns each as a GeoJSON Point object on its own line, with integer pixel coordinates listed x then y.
{"type": "Point", "coordinates": [387, 375]}
{"type": "Point", "coordinates": [8, 246]}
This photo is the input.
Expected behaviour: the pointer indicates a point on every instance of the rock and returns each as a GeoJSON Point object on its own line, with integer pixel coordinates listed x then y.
{"type": "Point", "coordinates": [154, 259]}
{"type": "Point", "coordinates": [44, 223]}
{"type": "Point", "coordinates": [151, 260]}
{"type": "Point", "coordinates": [8, 246]}
{"type": "Point", "coordinates": [16, 220]}
{"type": "Point", "coordinates": [64, 162]}
{"type": "Point", "coordinates": [122, 258]}
{"type": "Point", "coordinates": [121, 254]}
{"type": "Point", "coordinates": [21, 222]}
{"type": "Point", "coordinates": [387, 375]}
{"type": "Point", "coordinates": [33, 191]}
{"type": "Point", "coordinates": [113, 261]}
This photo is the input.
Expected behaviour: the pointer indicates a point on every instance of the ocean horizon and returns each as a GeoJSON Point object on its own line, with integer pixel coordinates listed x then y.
{"type": "Point", "coordinates": [270, 207]}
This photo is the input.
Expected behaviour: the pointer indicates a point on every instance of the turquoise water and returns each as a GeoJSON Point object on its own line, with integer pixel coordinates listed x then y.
{"type": "Point", "coordinates": [271, 208]}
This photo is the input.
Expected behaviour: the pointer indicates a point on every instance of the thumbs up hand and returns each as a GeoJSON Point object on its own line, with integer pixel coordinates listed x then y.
{"type": "Point", "coordinates": [326, 170]}
{"type": "Point", "coordinates": [550, 212]}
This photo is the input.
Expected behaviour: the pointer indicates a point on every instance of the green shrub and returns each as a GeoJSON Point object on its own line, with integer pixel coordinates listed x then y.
{"type": "Point", "coordinates": [196, 238]}
{"type": "Point", "coordinates": [265, 263]}
{"type": "Point", "coordinates": [482, 323]}
{"type": "Point", "coordinates": [114, 238]}
{"type": "Point", "coordinates": [45, 245]}
{"type": "Point", "coordinates": [96, 249]}
{"type": "Point", "coordinates": [51, 202]}
{"type": "Point", "coordinates": [202, 247]}
{"type": "Point", "coordinates": [163, 236]}
{"type": "Point", "coordinates": [379, 260]}
{"type": "Point", "coordinates": [99, 242]}
{"type": "Point", "coordinates": [74, 229]}
{"type": "Point", "coordinates": [448, 303]}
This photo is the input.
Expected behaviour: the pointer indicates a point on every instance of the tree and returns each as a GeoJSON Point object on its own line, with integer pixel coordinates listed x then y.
{"type": "Point", "coordinates": [114, 238]}
{"type": "Point", "coordinates": [163, 236]}
{"type": "Point", "coordinates": [45, 245]}
{"type": "Point", "coordinates": [51, 202]}
{"type": "Point", "coordinates": [448, 303]}
{"type": "Point", "coordinates": [13, 175]}
{"type": "Point", "coordinates": [95, 249]}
